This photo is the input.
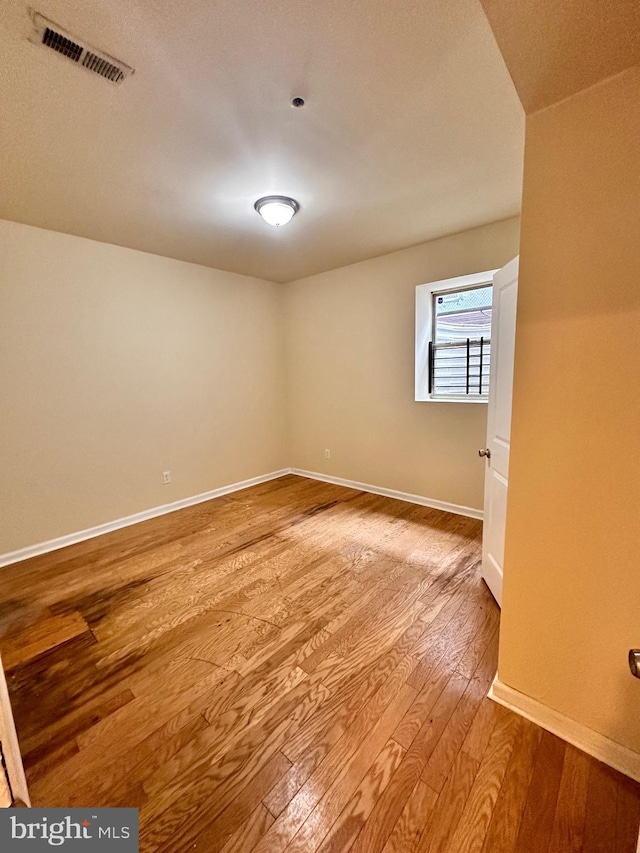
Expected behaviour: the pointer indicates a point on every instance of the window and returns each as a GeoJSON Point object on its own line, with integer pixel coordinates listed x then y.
{"type": "Point", "coordinates": [453, 338]}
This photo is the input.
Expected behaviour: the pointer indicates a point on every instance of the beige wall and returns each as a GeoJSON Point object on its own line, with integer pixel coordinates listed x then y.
{"type": "Point", "coordinates": [350, 357]}
{"type": "Point", "coordinates": [571, 590]}
{"type": "Point", "coordinates": [116, 365]}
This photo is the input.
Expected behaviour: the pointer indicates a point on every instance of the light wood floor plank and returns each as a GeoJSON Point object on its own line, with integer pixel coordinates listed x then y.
{"type": "Point", "coordinates": [411, 823]}
{"type": "Point", "coordinates": [568, 828]}
{"type": "Point", "coordinates": [539, 811]}
{"type": "Point", "coordinates": [438, 832]}
{"type": "Point", "coordinates": [478, 809]}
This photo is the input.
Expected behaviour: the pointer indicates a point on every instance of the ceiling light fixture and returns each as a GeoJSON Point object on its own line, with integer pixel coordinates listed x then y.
{"type": "Point", "coordinates": [277, 209]}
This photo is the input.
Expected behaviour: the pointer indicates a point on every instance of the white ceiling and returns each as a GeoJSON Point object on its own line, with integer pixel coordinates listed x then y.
{"type": "Point", "coordinates": [554, 50]}
{"type": "Point", "coordinates": [412, 127]}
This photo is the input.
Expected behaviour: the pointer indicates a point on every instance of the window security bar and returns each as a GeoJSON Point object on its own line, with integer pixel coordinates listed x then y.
{"type": "Point", "coordinates": [460, 368]}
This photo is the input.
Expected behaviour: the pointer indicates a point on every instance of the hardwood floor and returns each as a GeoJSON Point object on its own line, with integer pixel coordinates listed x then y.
{"type": "Point", "coordinates": [295, 667]}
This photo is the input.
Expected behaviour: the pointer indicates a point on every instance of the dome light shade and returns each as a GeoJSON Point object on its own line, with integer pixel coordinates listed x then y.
{"type": "Point", "coordinates": [277, 209]}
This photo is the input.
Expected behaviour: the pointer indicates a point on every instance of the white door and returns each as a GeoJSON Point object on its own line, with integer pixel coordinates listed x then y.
{"type": "Point", "coordinates": [496, 452]}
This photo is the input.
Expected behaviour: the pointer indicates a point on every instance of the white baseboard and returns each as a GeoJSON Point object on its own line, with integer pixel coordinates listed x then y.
{"type": "Point", "coordinates": [100, 529]}
{"type": "Point", "coordinates": [595, 744]}
{"type": "Point", "coordinates": [392, 493]}
{"type": "Point", "coordinates": [91, 532]}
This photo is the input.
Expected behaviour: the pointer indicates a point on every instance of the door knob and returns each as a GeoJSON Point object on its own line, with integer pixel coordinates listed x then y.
{"type": "Point", "coordinates": [484, 452]}
{"type": "Point", "coordinates": [634, 662]}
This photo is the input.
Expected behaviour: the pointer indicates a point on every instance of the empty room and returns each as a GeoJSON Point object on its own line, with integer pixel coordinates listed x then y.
{"type": "Point", "coordinates": [320, 335]}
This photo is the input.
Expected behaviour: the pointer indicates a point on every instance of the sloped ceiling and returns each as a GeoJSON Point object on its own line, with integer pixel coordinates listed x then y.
{"type": "Point", "coordinates": [555, 48]}
{"type": "Point", "coordinates": [412, 127]}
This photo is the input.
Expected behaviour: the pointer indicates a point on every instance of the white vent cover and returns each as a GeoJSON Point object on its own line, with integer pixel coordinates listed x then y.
{"type": "Point", "coordinates": [57, 38]}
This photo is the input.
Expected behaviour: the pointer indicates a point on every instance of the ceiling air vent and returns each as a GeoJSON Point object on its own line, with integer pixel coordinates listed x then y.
{"type": "Point", "coordinates": [63, 45]}
{"type": "Point", "coordinates": [78, 51]}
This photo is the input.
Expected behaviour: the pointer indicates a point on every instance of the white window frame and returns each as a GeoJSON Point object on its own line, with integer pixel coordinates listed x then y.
{"type": "Point", "coordinates": [424, 331]}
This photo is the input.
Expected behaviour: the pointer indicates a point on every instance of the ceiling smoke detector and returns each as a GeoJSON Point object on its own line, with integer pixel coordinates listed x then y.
{"type": "Point", "coordinates": [277, 209]}
{"type": "Point", "coordinates": [85, 56]}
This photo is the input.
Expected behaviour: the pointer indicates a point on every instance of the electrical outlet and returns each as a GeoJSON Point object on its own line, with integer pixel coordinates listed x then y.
{"type": "Point", "coordinates": [166, 477]}
{"type": "Point", "coordinates": [327, 454]}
